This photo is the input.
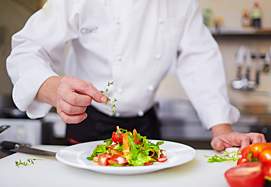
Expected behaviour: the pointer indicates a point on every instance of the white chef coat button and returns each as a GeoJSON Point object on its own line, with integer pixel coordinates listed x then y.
{"type": "Point", "coordinates": [117, 21]}
{"type": "Point", "coordinates": [117, 114]}
{"type": "Point", "coordinates": [150, 88]}
{"type": "Point", "coordinates": [161, 21]}
{"type": "Point", "coordinates": [140, 113]}
{"type": "Point", "coordinates": [119, 90]}
{"type": "Point", "coordinates": [157, 57]}
{"type": "Point", "coordinates": [119, 59]}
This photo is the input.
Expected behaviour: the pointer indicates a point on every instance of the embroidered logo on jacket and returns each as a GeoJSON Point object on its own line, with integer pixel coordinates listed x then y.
{"type": "Point", "coordinates": [88, 30]}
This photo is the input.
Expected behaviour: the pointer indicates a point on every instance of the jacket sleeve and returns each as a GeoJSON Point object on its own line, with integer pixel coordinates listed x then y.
{"type": "Point", "coordinates": [37, 52]}
{"type": "Point", "coordinates": [201, 72]}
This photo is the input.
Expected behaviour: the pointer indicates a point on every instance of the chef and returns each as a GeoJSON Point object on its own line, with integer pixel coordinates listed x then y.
{"type": "Point", "coordinates": [131, 43]}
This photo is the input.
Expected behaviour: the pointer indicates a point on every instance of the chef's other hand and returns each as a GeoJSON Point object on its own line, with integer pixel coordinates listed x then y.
{"type": "Point", "coordinates": [224, 137]}
{"type": "Point", "coordinates": [70, 96]}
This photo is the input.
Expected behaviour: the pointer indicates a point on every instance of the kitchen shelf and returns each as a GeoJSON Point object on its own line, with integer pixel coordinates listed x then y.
{"type": "Point", "coordinates": [240, 31]}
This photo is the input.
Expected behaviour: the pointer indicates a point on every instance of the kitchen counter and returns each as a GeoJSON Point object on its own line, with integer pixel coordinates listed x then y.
{"type": "Point", "coordinates": [51, 172]}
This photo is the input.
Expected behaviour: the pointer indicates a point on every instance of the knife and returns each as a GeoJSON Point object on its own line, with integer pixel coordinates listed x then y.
{"type": "Point", "coordinates": [21, 148]}
{"type": "Point", "coordinates": [3, 128]}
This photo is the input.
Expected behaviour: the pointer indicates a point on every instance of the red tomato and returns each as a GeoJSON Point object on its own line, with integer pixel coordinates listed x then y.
{"type": "Point", "coordinates": [103, 159]}
{"type": "Point", "coordinates": [137, 142]}
{"type": "Point", "coordinates": [245, 151]}
{"type": "Point", "coordinates": [242, 160]}
{"type": "Point", "coordinates": [267, 170]}
{"type": "Point", "coordinates": [257, 148]}
{"type": "Point", "coordinates": [162, 158]}
{"type": "Point", "coordinates": [116, 159]}
{"type": "Point", "coordinates": [117, 137]}
{"type": "Point", "coordinates": [246, 175]}
{"type": "Point", "coordinates": [148, 163]}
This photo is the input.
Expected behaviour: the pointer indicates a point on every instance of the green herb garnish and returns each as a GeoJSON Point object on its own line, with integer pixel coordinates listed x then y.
{"type": "Point", "coordinates": [225, 156]}
{"type": "Point", "coordinates": [26, 163]}
{"type": "Point", "coordinates": [112, 106]}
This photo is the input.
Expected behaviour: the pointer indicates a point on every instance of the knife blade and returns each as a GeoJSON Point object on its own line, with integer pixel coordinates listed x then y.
{"type": "Point", "coordinates": [21, 148]}
{"type": "Point", "coordinates": [4, 127]}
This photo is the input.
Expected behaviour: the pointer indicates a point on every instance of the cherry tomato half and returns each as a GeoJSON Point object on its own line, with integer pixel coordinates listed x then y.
{"type": "Point", "coordinates": [242, 160]}
{"type": "Point", "coordinates": [267, 171]}
{"type": "Point", "coordinates": [245, 175]}
{"type": "Point", "coordinates": [162, 158]}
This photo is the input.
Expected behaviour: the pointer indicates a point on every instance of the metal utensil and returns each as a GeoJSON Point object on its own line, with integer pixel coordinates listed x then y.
{"type": "Point", "coordinates": [4, 127]}
{"type": "Point", "coordinates": [21, 148]}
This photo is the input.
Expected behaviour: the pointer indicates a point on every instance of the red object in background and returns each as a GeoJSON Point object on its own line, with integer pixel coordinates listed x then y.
{"type": "Point", "coordinates": [246, 175]}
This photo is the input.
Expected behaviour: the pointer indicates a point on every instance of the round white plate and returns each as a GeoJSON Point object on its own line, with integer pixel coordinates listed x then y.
{"type": "Point", "coordinates": [76, 156]}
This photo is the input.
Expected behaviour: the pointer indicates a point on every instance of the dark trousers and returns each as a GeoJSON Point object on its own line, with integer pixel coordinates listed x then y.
{"type": "Point", "coordinates": [99, 126]}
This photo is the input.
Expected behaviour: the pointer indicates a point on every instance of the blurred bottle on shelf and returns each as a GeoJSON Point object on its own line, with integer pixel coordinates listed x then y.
{"type": "Point", "coordinates": [207, 16]}
{"type": "Point", "coordinates": [245, 18]}
{"type": "Point", "coordinates": [256, 15]}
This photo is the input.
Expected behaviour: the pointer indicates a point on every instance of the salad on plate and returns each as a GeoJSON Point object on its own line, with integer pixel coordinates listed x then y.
{"type": "Point", "coordinates": [127, 148]}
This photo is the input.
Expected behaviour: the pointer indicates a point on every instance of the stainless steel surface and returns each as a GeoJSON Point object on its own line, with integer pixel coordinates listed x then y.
{"type": "Point", "coordinates": [25, 131]}
{"type": "Point", "coordinates": [181, 123]}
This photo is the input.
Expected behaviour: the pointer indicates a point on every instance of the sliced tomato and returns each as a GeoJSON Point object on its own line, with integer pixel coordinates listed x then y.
{"type": "Point", "coordinates": [162, 158]}
{"type": "Point", "coordinates": [117, 137]}
{"type": "Point", "coordinates": [267, 170]}
{"type": "Point", "coordinates": [116, 159]}
{"type": "Point", "coordinates": [103, 159]}
{"type": "Point", "coordinates": [137, 142]}
{"type": "Point", "coordinates": [242, 160]}
{"type": "Point", "coordinates": [148, 163]}
{"type": "Point", "coordinates": [246, 175]}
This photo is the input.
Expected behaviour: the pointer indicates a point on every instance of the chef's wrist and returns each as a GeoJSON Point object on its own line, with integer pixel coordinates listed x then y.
{"type": "Point", "coordinates": [221, 129]}
{"type": "Point", "coordinates": [47, 91]}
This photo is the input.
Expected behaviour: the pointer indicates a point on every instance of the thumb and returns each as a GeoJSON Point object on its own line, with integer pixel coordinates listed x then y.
{"type": "Point", "coordinates": [87, 88]}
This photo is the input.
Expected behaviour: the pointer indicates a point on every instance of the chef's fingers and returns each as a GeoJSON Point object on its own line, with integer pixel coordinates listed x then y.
{"type": "Point", "coordinates": [76, 99]}
{"type": "Point", "coordinates": [257, 138]}
{"type": "Point", "coordinates": [85, 87]}
{"type": "Point", "coordinates": [72, 119]}
{"type": "Point", "coordinates": [71, 109]}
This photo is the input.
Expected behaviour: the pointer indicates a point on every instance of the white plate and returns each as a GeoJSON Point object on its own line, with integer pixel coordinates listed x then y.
{"type": "Point", "coordinates": [76, 156]}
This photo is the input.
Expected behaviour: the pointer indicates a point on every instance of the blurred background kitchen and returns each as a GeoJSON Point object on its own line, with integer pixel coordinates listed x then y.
{"type": "Point", "coordinates": [243, 31]}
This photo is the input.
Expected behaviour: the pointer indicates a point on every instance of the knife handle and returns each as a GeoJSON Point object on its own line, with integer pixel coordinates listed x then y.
{"type": "Point", "coordinates": [11, 145]}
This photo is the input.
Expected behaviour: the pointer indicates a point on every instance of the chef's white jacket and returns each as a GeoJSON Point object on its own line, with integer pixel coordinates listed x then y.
{"type": "Point", "coordinates": [130, 42]}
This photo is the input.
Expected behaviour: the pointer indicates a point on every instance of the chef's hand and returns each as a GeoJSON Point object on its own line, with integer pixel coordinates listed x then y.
{"type": "Point", "coordinates": [70, 96]}
{"type": "Point", "coordinates": [224, 137]}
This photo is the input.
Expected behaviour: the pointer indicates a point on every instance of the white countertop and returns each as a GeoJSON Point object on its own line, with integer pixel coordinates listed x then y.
{"type": "Point", "coordinates": [51, 172]}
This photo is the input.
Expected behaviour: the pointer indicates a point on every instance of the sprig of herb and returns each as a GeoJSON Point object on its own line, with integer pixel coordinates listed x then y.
{"type": "Point", "coordinates": [26, 163]}
{"type": "Point", "coordinates": [225, 156]}
{"type": "Point", "coordinates": [112, 106]}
